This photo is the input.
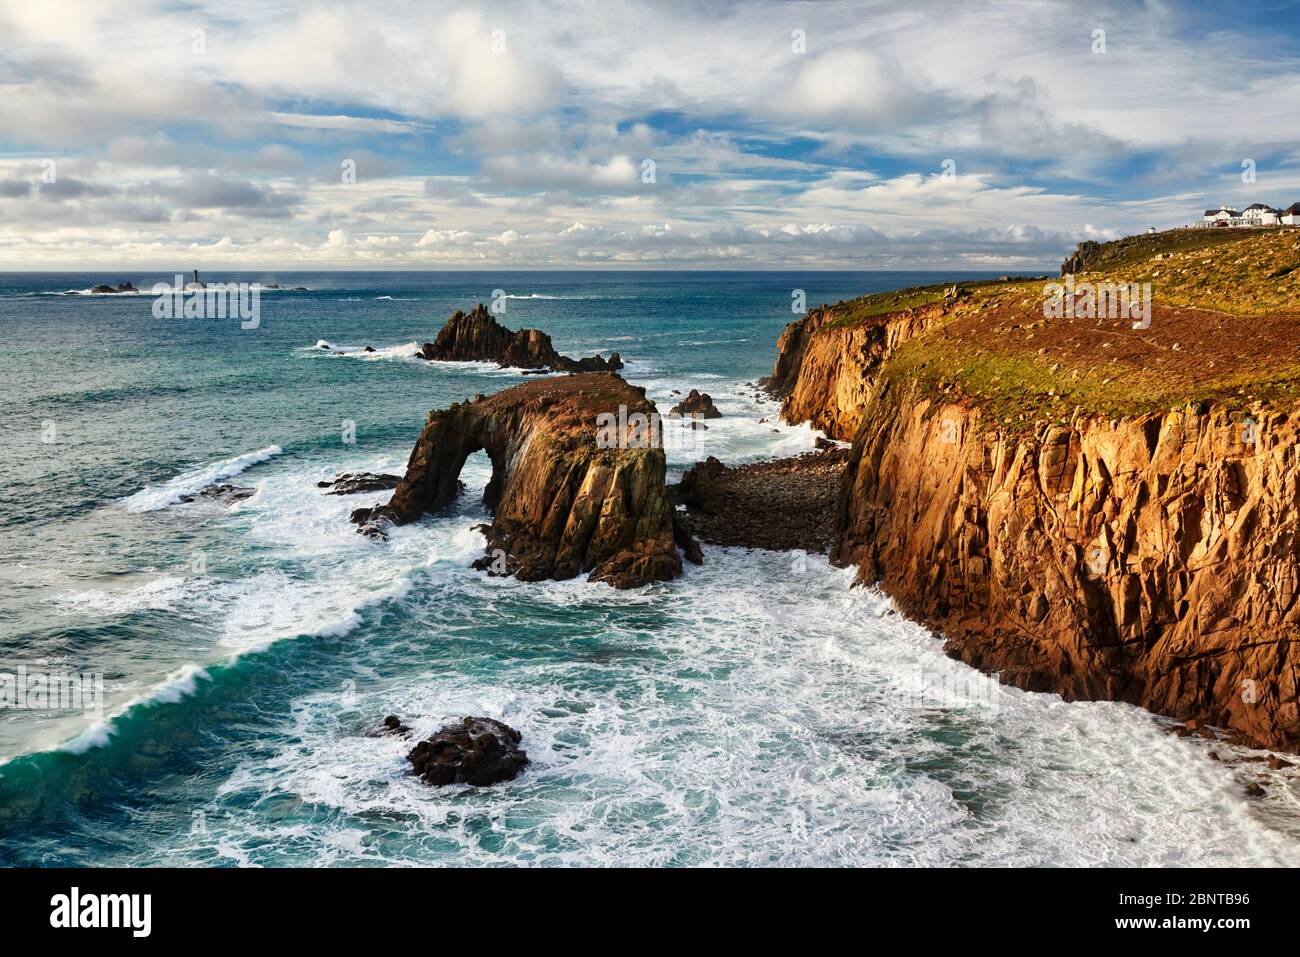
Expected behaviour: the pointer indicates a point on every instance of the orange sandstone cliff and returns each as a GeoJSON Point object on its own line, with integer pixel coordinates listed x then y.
{"type": "Point", "coordinates": [1076, 504]}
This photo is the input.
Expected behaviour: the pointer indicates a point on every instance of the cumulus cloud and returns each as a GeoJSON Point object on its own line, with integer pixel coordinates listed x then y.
{"type": "Point", "coordinates": [517, 134]}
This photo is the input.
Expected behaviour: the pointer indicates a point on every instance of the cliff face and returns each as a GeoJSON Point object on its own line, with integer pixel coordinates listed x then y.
{"type": "Point", "coordinates": [478, 337]}
{"type": "Point", "coordinates": [1082, 505]}
{"type": "Point", "coordinates": [562, 506]}
{"type": "Point", "coordinates": [1152, 561]}
{"type": "Point", "coordinates": [826, 369]}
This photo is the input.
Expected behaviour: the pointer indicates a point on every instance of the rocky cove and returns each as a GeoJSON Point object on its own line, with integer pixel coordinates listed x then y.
{"type": "Point", "coordinates": [1148, 558]}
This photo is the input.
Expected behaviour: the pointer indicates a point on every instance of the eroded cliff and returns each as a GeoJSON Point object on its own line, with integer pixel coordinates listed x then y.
{"type": "Point", "coordinates": [563, 501]}
{"type": "Point", "coordinates": [1079, 504]}
{"type": "Point", "coordinates": [828, 362]}
{"type": "Point", "coordinates": [1151, 560]}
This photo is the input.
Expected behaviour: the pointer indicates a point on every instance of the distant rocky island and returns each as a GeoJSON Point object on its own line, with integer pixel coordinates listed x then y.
{"type": "Point", "coordinates": [476, 336]}
{"type": "Point", "coordinates": [194, 285]}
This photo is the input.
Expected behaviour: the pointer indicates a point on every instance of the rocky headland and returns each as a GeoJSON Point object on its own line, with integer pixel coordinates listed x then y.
{"type": "Point", "coordinates": [476, 336]}
{"type": "Point", "coordinates": [570, 494]}
{"type": "Point", "coordinates": [1073, 503]}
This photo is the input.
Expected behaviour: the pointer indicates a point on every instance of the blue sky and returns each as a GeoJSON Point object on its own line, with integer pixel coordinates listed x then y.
{"type": "Point", "coordinates": [516, 135]}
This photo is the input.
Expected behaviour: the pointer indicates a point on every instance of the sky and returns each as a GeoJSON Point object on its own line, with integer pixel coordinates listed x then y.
{"type": "Point", "coordinates": [630, 134]}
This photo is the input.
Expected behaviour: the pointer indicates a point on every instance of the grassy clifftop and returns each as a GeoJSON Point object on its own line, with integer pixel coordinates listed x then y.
{"type": "Point", "coordinates": [1225, 327]}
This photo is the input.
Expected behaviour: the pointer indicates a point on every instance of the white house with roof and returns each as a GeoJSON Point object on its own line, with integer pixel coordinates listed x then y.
{"type": "Point", "coordinates": [1256, 214]}
{"type": "Point", "coordinates": [1224, 214]}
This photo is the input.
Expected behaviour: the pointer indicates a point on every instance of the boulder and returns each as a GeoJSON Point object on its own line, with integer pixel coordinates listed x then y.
{"type": "Point", "coordinates": [697, 404]}
{"type": "Point", "coordinates": [475, 751]}
{"type": "Point", "coordinates": [226, 494]}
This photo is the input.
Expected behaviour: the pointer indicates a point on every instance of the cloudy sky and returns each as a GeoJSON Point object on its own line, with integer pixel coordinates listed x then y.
{"type": "Point", "coordinates": [625, 134]}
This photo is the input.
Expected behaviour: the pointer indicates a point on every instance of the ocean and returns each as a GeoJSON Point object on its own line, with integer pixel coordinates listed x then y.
{"type": "Point", "coordinates": [759, 710]}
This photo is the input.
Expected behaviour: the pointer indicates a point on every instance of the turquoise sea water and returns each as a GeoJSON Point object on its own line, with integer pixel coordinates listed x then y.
{"type": "Point", "coordinates": [756, 711]}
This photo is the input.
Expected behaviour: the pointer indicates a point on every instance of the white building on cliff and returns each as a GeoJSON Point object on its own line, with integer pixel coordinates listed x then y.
{"type": "Point", "coordinates": [1256, 214]}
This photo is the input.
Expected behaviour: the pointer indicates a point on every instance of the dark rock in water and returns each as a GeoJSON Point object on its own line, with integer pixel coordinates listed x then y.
{"type": "Point", "coordinates": [220, 493]}
{"type": "Point", "coordinates": [698, 404]}
{"type": "Point", "coordinates": [824, 444]}
{"type": "Point", "coordinates": [477, 751]}
{"type": "Point", "coordinates": [103, 289]}
{"type": "Point", "coordinates": [1254, 790]}
{"type": "Point", "coordinates": [326, 346]}
{"type": "Point", "coordinates": [370, 349]}
{"type": "Point", "coordinates": [350, 483]}
{"type": "Point", "coordinates": [478, 337]}
{"type": "Point", "coordinates": [537, 372]}
{"type": "Point", "coordinates": [301, 289]}
{"type": "Point", "coordinates": [393, 725]}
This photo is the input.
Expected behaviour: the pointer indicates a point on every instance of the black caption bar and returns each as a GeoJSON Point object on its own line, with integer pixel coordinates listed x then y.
{"type": "Point", "coordinates": [134, 907]}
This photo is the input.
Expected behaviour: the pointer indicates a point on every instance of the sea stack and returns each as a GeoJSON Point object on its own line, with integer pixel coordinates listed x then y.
{"type": "Point", "coordinates": [476, 336]}
{"type": "Point", "coordinates": [568, 496]}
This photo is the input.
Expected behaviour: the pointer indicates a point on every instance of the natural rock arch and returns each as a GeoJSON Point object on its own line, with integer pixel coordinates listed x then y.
{"type": "Point", "coordinates": [562, 504]}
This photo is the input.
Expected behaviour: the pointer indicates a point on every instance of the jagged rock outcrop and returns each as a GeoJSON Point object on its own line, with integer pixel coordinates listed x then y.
{"type": "Point", "coordinates": [477, 751]}
{"type": "Point", "coordinates": [698, 405]}
{"type": "Point", "coordinates": [1151, 560]}
{"type": "Point", "coordinates": [1082, 259]}
{"type": "Point", "coordinates": [577, 486]}
{"type": "Point", "coordinates": [826, 368]}
{"type": "Point", "coordinates": [478, 337]}
{"type": "Point", "coordinates": [351, 483]}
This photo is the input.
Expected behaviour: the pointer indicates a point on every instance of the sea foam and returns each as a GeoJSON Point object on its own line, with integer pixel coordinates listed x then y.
{"type": "Point", "coordinates": [196, 480]}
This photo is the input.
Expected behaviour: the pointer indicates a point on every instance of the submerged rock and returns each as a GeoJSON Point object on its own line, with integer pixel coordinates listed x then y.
{"type": "Point", "coordinates": [478, 337]}
{"type": "Point", "coordinates": [566, 499]}
{"type": "Point", "coordinates": [350, 483]}
{"type": "Point", "coordinates": [225, 494]}
{"type": "Point", "coordinates": [393, 725]}
{"type": "Point", "coordinates": [698, 404]}
{"type": "Point", "coordinates": [475, 751]}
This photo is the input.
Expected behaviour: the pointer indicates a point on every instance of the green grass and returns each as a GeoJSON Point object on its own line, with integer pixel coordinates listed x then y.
{"type": "Point", "coordinates": [855, 311]}
{"type": "Point", "coordinates": [1020, 393]}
